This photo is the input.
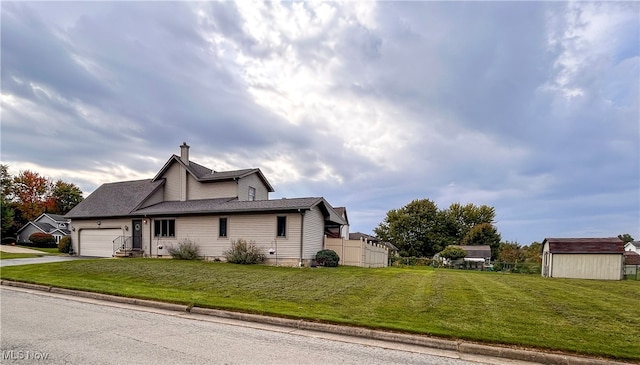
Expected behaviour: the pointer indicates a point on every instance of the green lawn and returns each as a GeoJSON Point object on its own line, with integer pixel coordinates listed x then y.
{"type": "Point", "coordinates": [51, 251]}
{"type": "Point", "coordinates": [11, 255]}
{"type": "Point", "coordinates": [579, 316]}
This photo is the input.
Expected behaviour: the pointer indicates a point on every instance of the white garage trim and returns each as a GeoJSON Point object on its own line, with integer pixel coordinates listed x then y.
{"type": "Point", "coordinates": [98, 242]}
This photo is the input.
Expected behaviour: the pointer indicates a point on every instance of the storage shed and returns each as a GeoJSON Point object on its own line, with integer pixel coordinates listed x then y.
{"type": "Point", "coordinates": [583, 258]}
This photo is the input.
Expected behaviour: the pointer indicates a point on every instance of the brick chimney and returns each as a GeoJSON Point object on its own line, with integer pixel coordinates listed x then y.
{"type": "Point", "coordinates": [184, 153]}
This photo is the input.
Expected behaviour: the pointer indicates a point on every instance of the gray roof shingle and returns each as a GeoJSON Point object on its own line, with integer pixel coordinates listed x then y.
{"type": "Point", "coordinates": [228, 205]}
{"type": "Point", "coordinates": [115, 199]}
{"type": "Point", "coordinates": [205, 174]}
{"type": "Point", "coordinates": [476, 252]}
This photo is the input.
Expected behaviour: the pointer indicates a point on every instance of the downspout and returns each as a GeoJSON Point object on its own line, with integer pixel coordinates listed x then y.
{"type": "Point", "coordinates": [301, 234]}
{"type": "Point", "coordinates": [150, 237]}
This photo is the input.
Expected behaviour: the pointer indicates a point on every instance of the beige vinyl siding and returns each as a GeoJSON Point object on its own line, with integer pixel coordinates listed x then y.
{"type": "Point", "coordinates": [313, 233]}
{"type": "Point", "coordinates": [254, 181]}
{"type": "Point", "coordinates": [220, 189]}
{"type": "Point", "coordinates": [262, 230]}
{"type": "Point", "coordinates": [203, 231]}
{"type": "Point", "coordinates": [259, 228]}
{"type": "Point", "coordinates": [586, 266]}
{"type": "Point", "coordinates": [173, 183]}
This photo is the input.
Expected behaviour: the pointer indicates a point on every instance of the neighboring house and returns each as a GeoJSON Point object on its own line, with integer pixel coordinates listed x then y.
{"type": "Point", "coordinates": [632, 246]}
{"type": "Point", "coordinates": [477, 258]}
{"type": "Point", "coordinates": [583, 258]}
{"type": "Point", "coordinates": [187, 201]}
{"type": "Point", "coordinates": [53, 224]}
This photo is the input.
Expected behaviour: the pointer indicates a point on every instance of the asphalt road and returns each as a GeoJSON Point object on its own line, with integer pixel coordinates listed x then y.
{"type": "Point", "coordinates": [39, 328]}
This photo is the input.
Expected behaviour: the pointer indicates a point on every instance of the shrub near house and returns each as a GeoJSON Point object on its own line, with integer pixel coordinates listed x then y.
{"type": "Point", "coordinates": [64, 245]}
{"type": "Point", "coordinates": [45, 240]}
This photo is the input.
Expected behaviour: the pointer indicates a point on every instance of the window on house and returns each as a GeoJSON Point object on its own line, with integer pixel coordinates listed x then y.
{"type": "Point", "coordinates": [252, 193]}
{"type": "Point", "coordinates": [223, 227]}
{"type": "Point", "coordinates": [164, 228]}
{"type": "Point", "coordinates": [282, 226]}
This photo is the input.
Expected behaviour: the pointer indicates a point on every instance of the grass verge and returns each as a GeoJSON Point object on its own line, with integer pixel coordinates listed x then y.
{"type": "Point", "coordinates": [596, 318]}
{"type": "Point", "coordinates": [11, 255]}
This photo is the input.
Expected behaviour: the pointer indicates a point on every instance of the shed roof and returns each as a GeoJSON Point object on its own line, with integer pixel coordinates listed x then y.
{"type": "Point", "coordinates": [607, 245]}
{"type": "Point", "coordinates": [479, 251]}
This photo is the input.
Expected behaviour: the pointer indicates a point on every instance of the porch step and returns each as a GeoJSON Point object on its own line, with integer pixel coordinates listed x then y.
{"type": "Point", "coordinates": [128, 253]}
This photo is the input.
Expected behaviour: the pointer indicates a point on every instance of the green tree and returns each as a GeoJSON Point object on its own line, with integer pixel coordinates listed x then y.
{"type": "Point", "coordinates": [533, 252]}
{"type": "Point", "coordinates": [453, 253]}
{"type": "Point", "coordinates": [510, 252]}
{"type": "Point", "coordinates": [7, 214]}
{"type": "Point", "coordinates": [413, 229]}
{"type": "Point", "coordinates": [65, 197]}
{"type": "Point", "coordinates": [462, 218]}
{"type": "Point", "coordinates": [626, 238]}
{"type": "Point", "coordinates": [484, 234]}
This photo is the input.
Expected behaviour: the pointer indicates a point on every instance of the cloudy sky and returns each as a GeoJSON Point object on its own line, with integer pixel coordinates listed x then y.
{"type": "Point", "coordinates": [530, 107]}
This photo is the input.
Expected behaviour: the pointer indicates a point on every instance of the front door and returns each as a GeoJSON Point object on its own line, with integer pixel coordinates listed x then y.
{"type": "Point", "coordinates": [137, 234]}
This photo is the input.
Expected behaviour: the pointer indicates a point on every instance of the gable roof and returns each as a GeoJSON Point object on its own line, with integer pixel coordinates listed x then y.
{"type": "Point", "coordinates": [479, 251]}
{"type": "Point", "coordinates": [44, 228]}
{"type": "Point", "coordinates": [55, 217]}
{"type": "Point", "coordinates": [342, 211]}
{"type": "Point", "coordinates": [115, 199]}
{"type": "Point", "coordinates": [205, 174]}
{"type": "Point", "coordinates": [584, 245]}
{"type": "Point", "coordinates": [125, 198]}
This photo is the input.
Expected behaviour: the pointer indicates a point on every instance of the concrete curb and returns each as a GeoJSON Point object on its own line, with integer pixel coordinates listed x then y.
{"type": "Point", "coordinates": [420, 340]}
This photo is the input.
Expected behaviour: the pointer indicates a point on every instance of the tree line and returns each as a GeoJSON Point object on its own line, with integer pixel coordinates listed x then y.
{"type": "Point", "coordinates": [421, 229]}
{"type": "Point", "coordinates": [28, 194]}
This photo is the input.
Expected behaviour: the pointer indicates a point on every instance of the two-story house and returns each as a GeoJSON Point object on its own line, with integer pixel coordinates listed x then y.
{"type": "Point", "coordinates": [53, 224]}
{"type": "Point", "coordinates": [187, 201]}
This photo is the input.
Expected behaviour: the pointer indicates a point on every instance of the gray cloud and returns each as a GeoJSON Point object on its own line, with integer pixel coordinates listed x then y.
{"type": "Point", "coordinates": [371, 105]}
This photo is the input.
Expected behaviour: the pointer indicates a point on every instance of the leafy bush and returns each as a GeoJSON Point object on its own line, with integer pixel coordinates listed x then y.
{"type": "Point", "coordinates": [453, 253]}
{"type": "Point", "coordinates": [45, 240]}
{"type": "Point", "coordinates": [243, 252]}
{"type": "Point", "coordinates": [8, 240]}
{"type": "Point", "coordinates": [64, 245]}
{"type": "Point", "coordinates": [327, 258]}
{"type": "Point", "coordinates": [186, 250]}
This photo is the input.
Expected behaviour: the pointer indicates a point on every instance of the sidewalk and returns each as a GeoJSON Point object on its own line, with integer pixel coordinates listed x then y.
{"type": "Point", "coordinates": [16, 249]}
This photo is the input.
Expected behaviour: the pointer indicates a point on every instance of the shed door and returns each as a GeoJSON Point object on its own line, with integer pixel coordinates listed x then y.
{"type": "Point", "coordinates": [98, 242]}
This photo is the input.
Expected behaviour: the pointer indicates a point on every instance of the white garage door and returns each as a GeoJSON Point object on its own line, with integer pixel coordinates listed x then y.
{"type": "Point", "coordinates": [98, 242]}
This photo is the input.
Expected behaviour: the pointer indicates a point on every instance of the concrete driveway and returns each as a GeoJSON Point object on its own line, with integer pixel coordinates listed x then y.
{"type": "Point", "coordinates": [16, 249]}
{"type": "Point", "coordinates": [45, 258]}
{"type": "Point", "coordinates": [39, 260]}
